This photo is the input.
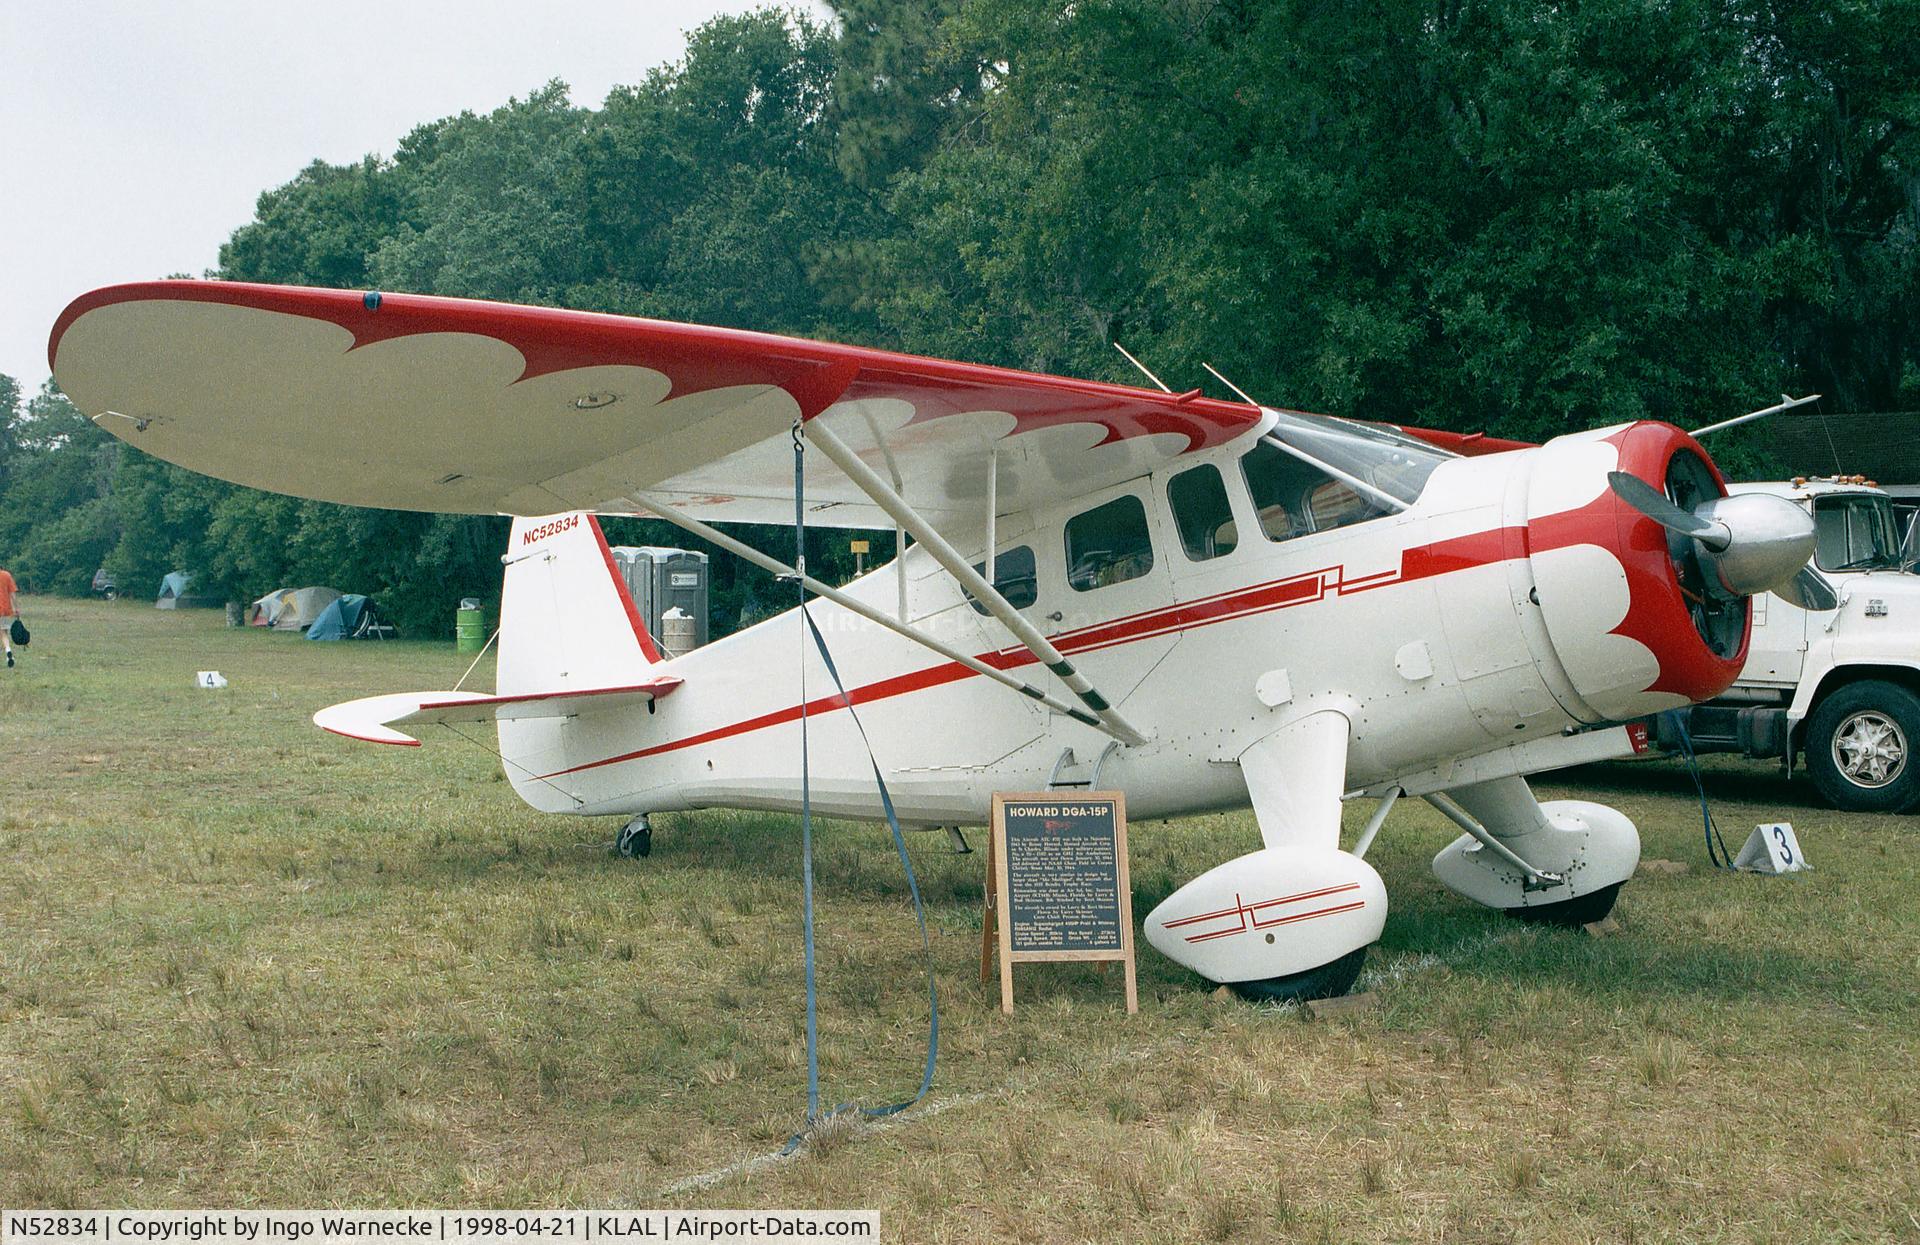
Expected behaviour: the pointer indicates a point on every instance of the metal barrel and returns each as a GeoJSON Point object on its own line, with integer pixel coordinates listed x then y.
{"type": "Point", "coordinates": [679, 632]}
{"type": "Point", "coordinates": [470, 630]}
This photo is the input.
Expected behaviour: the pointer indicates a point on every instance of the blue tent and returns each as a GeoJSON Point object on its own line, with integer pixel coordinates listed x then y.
{"type": "Point", "coordinates": [352, 617]}
{"type": "Point", "coordinates": [175, 593]}
{"type": "Point", "coordinates": [172, 588]}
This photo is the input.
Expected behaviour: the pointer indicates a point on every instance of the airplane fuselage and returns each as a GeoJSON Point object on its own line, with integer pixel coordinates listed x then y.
{"type": "Point", "coordinates": [1509, 606]}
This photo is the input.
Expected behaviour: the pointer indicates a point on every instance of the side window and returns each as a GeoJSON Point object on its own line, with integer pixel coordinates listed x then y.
{"type": "Point", "coordinates": [1202, 514]}
{"type": "Point", "coordinates": [1829, 536]}
{"type": "Point", "coordinates": [1108, 545]}
{"type": "Point", "coordinates": [1013, 576]}
{"type": "Point", "coordinates": [1334, 504]}
{"type": "Point", "coordinates": [1294, 498]}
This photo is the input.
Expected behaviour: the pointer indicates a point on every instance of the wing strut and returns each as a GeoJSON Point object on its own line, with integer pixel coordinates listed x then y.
{"type": "Point", "coordinates": [883, 496]}
{"type": "Point", "coordinates": [868, 612]}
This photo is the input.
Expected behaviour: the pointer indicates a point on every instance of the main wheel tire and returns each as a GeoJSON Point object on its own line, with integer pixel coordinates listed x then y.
{"type": "Point", "coordinates": [633, 842]}
{"type": "Point", "coordinates": [1326, 982]}
{"type": "Point", "coordinates": [1860, 748]}
{"type": "Point", "coordinates": [1571, 913]}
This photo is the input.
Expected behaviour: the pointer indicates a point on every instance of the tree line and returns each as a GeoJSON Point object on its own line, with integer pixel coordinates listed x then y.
{"type": "Point", "coordinates": [1520, 216]}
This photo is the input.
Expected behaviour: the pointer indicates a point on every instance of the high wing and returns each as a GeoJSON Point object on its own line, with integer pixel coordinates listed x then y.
{"type": "Point", "coordinates": [424, 403]}
{"type": "Point", "coordinates": [373, 718]}
{"type": "Point", "coordinates": [439, 404]}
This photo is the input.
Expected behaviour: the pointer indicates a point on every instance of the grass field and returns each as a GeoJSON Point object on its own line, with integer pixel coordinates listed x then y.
{"type": "Point", "coordinates": [246, 963]}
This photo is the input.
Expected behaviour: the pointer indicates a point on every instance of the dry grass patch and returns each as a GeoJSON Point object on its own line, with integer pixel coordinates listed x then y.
{"type": "Point", "coordinates": [249, 963]}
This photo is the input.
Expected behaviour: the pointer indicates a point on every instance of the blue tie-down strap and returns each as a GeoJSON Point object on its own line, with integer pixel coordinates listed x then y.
{"type": "Point", "coordinates": [913, 884]}
{"type": "Point", "coordinates": [919, 914]}
{"type": "Point", "coordinates": [806, 843]}
{"type": "Point", "coordinates": [1716, 847]}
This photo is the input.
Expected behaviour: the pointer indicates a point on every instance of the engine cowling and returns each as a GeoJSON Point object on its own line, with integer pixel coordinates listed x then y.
{"type": "Point", "coordinates": [1638, 620]}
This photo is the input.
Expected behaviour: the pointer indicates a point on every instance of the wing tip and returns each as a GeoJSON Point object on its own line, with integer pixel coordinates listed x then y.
{"type": "Point", "coordinates": [106, 296]}
{"type": "Point", "coordinates": [366, 719]}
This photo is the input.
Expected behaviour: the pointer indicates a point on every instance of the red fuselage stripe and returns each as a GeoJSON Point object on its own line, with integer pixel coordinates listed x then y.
{"type": "Point", "coordinates": [1420, 562]}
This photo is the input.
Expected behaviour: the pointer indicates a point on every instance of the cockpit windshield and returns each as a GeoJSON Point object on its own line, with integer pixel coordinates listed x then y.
{"type": "Point", "coordinates": [1393, 462]}
{"type": "Point", "coordinates": [1855, 533]}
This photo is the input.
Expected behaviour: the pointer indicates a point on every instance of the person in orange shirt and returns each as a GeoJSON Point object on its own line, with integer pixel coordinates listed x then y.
{"type": "Point", "coordinates": [8, 612]}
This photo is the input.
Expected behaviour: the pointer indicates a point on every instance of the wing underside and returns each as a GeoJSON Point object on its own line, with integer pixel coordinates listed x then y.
{"type": "Point", "coordinates": [424, 403]}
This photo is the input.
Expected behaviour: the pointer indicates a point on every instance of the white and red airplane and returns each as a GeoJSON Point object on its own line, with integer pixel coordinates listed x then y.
{"type": "Point", "coordinates": [1206, 604]}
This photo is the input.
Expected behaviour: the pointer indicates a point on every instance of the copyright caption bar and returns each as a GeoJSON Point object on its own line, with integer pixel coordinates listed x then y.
{"type": "Point", "coordinates": [430, 1227]}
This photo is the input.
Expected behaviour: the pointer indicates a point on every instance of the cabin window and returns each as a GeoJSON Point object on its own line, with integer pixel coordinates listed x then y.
{"type": "Point", "coordinates": [1108, 545]}
{"type": "Point", "coordinates": [1200, 510]}
{"type": "Point", "coordinates": [1013, 578]}
{"type": "Point", "coordinates": [1386, 459]}
{"type": "Point", "coordinates": [1294, 498]}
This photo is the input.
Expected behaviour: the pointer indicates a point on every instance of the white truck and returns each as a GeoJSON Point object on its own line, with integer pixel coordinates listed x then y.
{"type": "Point", "coordinates": [1840, 689]}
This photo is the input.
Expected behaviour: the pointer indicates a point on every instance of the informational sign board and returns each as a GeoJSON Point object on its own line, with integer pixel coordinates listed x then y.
{"type": "Point", "coordinates": [1057, 884]}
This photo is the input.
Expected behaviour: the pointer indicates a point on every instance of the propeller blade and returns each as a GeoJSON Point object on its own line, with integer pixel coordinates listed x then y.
{"type": "Point", "coordinates": [1809, 590]}
{"type": "Point", "coordinates": [1654, 504]}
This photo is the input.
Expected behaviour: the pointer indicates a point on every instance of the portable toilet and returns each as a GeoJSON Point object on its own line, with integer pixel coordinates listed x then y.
{"type": "Point", "coordinates": [659, 579]}
{"type": "Point", "coordinates": [636, 571]}
{"type": "Point", "coordinates": [680, 581]}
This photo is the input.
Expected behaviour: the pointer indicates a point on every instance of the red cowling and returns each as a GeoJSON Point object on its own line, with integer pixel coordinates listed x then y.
{"type": "Point", "coordinates": [1697, 642]}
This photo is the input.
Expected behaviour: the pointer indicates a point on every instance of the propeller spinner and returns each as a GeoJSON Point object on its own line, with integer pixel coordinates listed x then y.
{"type": "Point", "coordinates": [1751, 542]}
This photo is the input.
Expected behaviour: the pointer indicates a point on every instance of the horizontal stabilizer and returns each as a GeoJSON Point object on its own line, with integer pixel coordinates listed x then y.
{"type": "Point", "coordinates": [373, 718]}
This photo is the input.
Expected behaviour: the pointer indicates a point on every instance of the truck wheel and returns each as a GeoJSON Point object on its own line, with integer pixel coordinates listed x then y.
{"type": "Point", "coordinates": [1860, 745]}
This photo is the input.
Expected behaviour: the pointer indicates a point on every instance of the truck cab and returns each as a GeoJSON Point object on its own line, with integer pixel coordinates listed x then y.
{"type": "Point", "coordinates": [1839, 689]}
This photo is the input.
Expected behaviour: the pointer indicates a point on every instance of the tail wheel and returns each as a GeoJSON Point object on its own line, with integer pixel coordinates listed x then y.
{"type": "Point", "coordinates": [635, 839]}
{"type": "Point", "coordinates": [1860, 748]}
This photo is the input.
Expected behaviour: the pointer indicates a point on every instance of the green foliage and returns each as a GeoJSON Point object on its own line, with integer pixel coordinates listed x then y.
{"type": "Point", "coordinates": [57, 517]}
{"type": "Point", "coordinates": [1510, 215]}
{"type": "Point", "coordinates": [905, 81]}
{"type": "Point", "coordinates": [1516, 216]}
{"type": "Point", "coordinates": [488, 209]}
{"type": "Point", "coordinates": [319, 228]}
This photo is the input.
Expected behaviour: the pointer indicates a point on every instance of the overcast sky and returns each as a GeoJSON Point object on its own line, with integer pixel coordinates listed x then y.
{"type": "Point", "coordinates": [135, 135]}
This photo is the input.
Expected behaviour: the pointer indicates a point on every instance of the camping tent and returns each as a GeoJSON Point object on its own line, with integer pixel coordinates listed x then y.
{"type": "Point", "coordinates": [292, 609]}
{"type": "Point", "coordinates": [262, 612]}
{"type": "Point", "coordinates": [174, 593]}
{"type": "Point", "coordinates": [352, 617]}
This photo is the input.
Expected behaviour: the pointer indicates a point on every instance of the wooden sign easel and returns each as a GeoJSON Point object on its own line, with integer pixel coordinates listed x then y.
{"type": "Point", "coordinates": [1073, 874]}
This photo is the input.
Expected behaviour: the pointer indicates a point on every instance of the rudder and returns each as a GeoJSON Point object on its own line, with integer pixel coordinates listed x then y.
{"type": "Point", "coordinates": [566, 618]}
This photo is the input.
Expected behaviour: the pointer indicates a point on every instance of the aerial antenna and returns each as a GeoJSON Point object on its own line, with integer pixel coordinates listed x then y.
{"type": "Point", "coordinates": [1229, 384]}
{"type": "Point", "coordinates": [1143, 368]}
{"type": "Point", "coordinates": [1784, 404]}
{"type": "Point", "coordinates": [1365, 488]}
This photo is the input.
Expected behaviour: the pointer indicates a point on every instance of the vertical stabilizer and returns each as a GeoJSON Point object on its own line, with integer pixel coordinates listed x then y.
{"type": "Point", "coordinates": [566, 620]}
